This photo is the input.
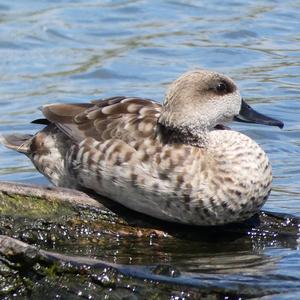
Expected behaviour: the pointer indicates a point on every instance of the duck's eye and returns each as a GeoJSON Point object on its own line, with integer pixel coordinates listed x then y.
{"type": "Point", "coordinates": [221, 88]}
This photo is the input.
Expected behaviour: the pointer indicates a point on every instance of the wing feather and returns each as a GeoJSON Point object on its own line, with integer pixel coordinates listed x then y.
{"type": "Point", "coordinates": [121, 117]}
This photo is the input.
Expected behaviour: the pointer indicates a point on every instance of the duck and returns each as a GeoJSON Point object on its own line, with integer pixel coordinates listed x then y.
{"type": "Point", "coordinates": [177, 161]}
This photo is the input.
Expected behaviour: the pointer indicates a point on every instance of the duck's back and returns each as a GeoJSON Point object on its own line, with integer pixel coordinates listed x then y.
{"type": "Point", "coordinates": [129, 119]}
{"type": "Point", "coordinates": [119, 124]}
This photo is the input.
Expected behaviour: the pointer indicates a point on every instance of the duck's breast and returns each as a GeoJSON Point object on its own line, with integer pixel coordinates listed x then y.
{"type": "Point", "coordinates": [239, 181]}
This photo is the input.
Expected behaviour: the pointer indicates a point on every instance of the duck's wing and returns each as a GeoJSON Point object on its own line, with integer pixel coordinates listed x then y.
{"type": "Point", "coordinates": [124, 118]}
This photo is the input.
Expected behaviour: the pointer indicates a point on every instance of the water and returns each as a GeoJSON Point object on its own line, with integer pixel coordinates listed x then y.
{"type": "Point", "coordinates": [73, 51]}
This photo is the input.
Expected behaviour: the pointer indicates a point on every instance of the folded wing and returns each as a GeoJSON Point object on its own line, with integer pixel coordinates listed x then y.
{"type": "Point", "coordinates": [124, 118]}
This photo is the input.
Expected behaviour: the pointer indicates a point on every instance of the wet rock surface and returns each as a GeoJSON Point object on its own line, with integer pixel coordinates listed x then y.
{"type": "Point", "coordinates": [69, 244]}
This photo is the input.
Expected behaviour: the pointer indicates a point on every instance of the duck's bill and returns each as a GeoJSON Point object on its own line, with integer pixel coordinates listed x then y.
{"type": "Point", "coordinates": [249, 115]}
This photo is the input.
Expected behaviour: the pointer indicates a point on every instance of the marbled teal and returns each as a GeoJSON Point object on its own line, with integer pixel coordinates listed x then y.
{"type": "Point", "coordinates": [177, 162]}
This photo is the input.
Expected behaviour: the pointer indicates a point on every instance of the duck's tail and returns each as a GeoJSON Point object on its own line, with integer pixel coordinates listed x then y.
{"type": "Point", "coordinates": [17, 142]}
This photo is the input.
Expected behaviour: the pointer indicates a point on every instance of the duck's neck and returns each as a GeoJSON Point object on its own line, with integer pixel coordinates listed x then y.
{"type": "Point", "coordinates": [183, 135]}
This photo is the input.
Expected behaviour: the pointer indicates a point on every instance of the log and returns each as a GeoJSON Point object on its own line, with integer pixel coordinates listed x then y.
{"type": "Point", "coordinates": [49, 234]}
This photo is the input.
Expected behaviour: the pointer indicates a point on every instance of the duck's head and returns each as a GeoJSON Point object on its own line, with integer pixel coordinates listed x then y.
{"type": "Point", "coordinates": [202, 100]}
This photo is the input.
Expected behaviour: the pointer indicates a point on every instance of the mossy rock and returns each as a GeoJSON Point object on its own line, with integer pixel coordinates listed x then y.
{"type": "Point", "coordinates": [50, 234]}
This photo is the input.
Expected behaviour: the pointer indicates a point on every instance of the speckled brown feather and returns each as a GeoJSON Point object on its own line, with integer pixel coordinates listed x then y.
{"type": "Point", "coordinates": [117, 151]}
{"type": "Point", "coordinates": [129, 118]}
{"type": "Point", "coordinates": [165, 161]}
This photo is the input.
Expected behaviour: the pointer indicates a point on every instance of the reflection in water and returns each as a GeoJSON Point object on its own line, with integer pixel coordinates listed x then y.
{"type": "Point", "coordinates": [236, 260]}
{"type": "Point", "coordinates": [75, 51]}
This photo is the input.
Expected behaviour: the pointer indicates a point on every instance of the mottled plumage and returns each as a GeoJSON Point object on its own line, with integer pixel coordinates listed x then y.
{"type": "Point", "coordinates": [170, 162]}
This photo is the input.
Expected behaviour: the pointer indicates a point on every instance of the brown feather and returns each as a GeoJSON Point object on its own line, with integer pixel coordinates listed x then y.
{"type": "Point", "coordinates": [129, 118]}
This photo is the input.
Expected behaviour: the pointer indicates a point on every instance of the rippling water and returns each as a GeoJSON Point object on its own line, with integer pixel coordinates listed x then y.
{"type": "Point", "coordinates": [72, 51]}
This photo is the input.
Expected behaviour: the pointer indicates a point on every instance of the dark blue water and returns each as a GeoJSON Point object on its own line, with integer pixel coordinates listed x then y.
{"type": "Point", "coordinates": [72, 51]}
